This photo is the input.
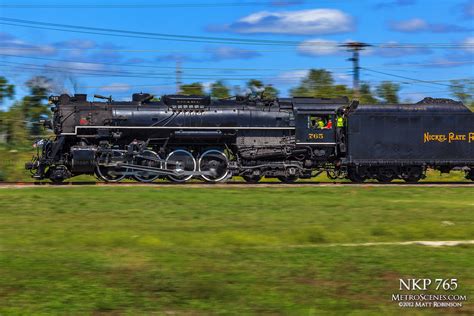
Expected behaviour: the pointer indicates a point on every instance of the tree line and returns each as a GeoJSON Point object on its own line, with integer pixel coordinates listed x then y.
{"type": "Point", "coordinates": [20, 122]}
{"type": "Point", "coordinates": [318, 83]}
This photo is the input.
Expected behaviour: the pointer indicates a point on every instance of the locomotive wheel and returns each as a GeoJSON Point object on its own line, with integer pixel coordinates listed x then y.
{"type": "Point", "coordinates": [110, 174]}
{"type": "Point", "coordinates": [180, 161]}
{"type": "Point", "coordinates": [216, 162]}
{"type": "Point", "coordinates": [288, 179]}
{"type": "Point", "coordinates": [144, 176]}
{"type": "Point", "coordinates": [252, 179]}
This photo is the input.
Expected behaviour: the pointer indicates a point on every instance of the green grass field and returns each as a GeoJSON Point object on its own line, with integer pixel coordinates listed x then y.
{"type": "Point", "coordinates": [181, 250]}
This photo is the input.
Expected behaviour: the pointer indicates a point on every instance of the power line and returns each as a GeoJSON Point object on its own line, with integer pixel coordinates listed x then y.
{"type": "Point", "coordinates": [161, 50]}
{"type": "Point", "coordinates": [129, 50]}
{"type": "Point", "coordinates": [168, 76]}
{"type": "Point", "coordinates": [144, 5]}
{"type": "Point", "coordinates": [408, 78]}
{"type": "Point", "coordinates": [404, 82]}
{"type": "Point", "coordinates": [171, 75]}
{"type": "Point", "coordinates": [118, 72]}
{"type": "Point", "coordinates": [161, 67]}
{"type": "Point", "coordinates": [203, 39]}
{"type": "Point", "coordinates": [235, 69]}
{"type": "Point", "coordinates": [214, 78]}
{"type": "Point", "coordinates": [152, 35]}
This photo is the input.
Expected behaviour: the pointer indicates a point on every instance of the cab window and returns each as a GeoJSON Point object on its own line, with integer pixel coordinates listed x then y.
{"type": "Point", "coordinates": [319, 122]}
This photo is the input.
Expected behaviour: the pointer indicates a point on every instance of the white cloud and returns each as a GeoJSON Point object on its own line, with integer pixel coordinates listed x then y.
{"type": "Point", "coordinates": [291, 76]}
{"type": "Point", "coordinates": [419, 25]}
{"type": "Point", "coordinates": [77, 44]}
{"type": "Point", "coordinates": [342, 78]}
{"type": "Point", "coordinates": [80, 66]}
{"type": "Point", "coordinates": [394, 49]}
{"type": "Point", "coordinates": [207, 85]}
{"type": "Point", "coordinates": [228, 52]}
{"type": "Point", "coordinates": [116, 87]}
{"type": "Point", "coordinates": [470, 43]}
{"type": "Point", "coordinates": [318, 47]}
{"type": "Point", "coordinates": [468, 9]}
{"type": "Point", "coordinates": [10, 45]}
{"type": "Point", "coordinates": [412, 25]}
{"type": "Point", "coordinates": [315, 21]}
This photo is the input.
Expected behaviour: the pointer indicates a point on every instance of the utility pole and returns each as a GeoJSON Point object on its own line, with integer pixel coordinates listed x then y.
{"type": "Point", "coordinates": [355, 47]}
{"type": "Point", "coordinates": [178, 76]}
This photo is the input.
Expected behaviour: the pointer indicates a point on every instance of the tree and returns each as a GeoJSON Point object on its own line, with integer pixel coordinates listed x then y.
{"type": "Point", "coordinates": [194, 88]}
{"type": "Point", "coordinates": [366, 96]}
{"type": "Point", "coordinates": [15, 126]}
{"type": "Point", "coordinates": [220, 90]}
{"type": "Point", "coordinates": [463, 90]}
{"type": "Point", "coordinates": [388, 92]}
{"type": "Point", "coordinates": [257, 86]}
{"type": "Point", "coordinates": [320, 83]}
{"type": "Point", "coordinates": [34, 109]}
{"type": "Point", "coordinates": [7, 91]}
{"type": "Point", "coordinates": [270, 92]}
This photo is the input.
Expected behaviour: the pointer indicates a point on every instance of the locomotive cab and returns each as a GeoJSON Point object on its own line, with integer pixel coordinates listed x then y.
{"type": "Point", "coordinates": [316, 121]}
{"type": "Point", "coordinates": [317, 128]}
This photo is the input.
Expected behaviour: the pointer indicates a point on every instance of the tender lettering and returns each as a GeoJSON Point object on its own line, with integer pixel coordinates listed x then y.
{"type": "Point", "coordinates": [450, 137]}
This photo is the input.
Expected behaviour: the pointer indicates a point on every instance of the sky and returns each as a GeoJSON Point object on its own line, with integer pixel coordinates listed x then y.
{"type": "Point", "coordinates": [121, 47]}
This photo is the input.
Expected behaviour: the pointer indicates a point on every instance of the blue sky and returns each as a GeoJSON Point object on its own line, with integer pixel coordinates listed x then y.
{"type": "Point", "coordinates": [417, 32]}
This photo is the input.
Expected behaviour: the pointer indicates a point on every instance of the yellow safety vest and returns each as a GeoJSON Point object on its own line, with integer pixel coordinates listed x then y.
{"type": "Point", "coordinates": [340, 121]}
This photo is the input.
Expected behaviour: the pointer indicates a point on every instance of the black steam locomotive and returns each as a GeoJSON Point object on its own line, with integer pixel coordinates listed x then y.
{"type": "Point", "coordinates": [184, 137]}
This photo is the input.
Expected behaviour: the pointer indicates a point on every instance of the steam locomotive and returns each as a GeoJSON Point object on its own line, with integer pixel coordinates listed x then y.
{"type": "Point", "coordinates": [183, 137]}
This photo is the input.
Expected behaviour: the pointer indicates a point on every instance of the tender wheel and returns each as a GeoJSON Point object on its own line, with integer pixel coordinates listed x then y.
{"type": "Point", "coordinates": [288, 179]}
{"type": "Point", "coordinates": [413, 174]}
{"type": "Point", "coordinates": [470, 175]}
{"type": "Point", "coordinates": [252, 178]}
{"type": "Point", "coordinates": [111, 173]}
{"type": "Point", "coordinates": [215, 162]}
{"type": "Point", "coordinates": [144, 176]}
{"type": "Point", "coordinates": [180, 161]}
{"type": "Point", "coordinates": [354, 176]}
{"type": "Point", "coordinates": [412, 179]}
{"type": "Point", "coordinates": [384, 178]}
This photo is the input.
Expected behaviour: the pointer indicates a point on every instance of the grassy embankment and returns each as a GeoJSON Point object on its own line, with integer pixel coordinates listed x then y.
{"type": "Point", "coordinates": [12, 168]}
{"type": "Point", "coordinates": [231, 251]}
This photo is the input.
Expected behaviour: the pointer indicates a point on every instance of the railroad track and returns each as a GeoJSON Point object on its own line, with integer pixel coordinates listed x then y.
{"type": "Point", "coordinates": [235, 184]}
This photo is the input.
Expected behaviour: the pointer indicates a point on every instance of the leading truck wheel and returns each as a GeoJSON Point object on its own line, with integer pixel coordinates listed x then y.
{"type": "Point", "coordinates": [180, 161]}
